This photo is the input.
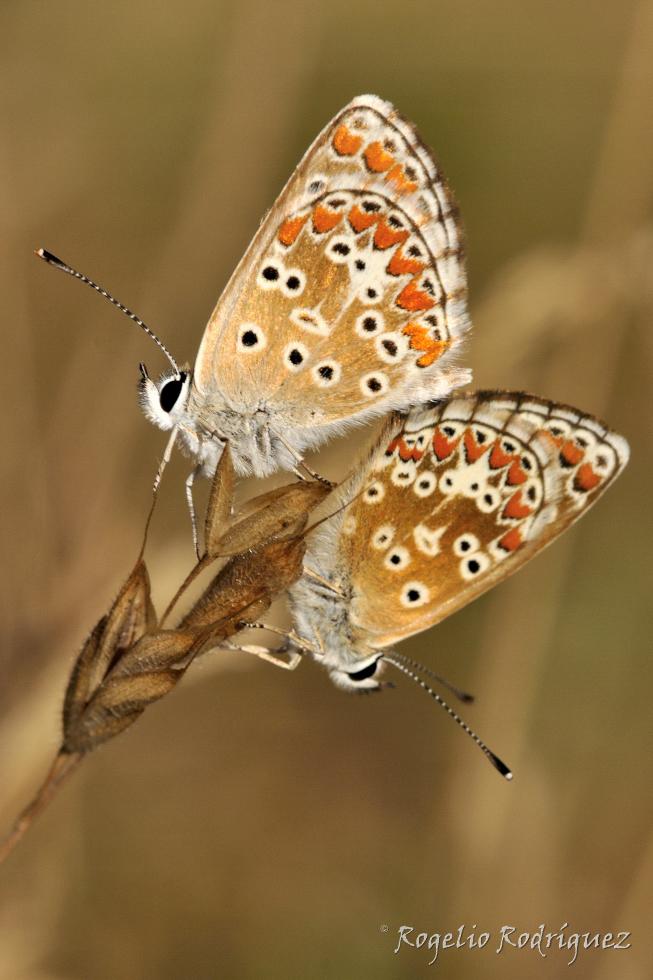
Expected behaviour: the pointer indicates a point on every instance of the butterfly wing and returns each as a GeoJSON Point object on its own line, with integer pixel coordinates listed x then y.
{"type": "Point", "coordinates": [456, 498]}
{"type": "Point", "coordinates": [352, 295]}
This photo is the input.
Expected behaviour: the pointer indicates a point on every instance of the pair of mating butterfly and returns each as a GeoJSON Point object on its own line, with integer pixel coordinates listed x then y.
{"type": "Point", "coordinates": [350, 304]}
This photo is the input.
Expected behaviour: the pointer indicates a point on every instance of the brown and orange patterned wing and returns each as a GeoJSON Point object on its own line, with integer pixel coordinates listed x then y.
{"type": "Point", "coordinates": [455, 499]}
{"type": "Point", "coordinates": [352, 295]}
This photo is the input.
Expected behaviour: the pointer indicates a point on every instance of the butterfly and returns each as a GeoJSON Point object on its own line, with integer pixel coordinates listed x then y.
{"type": "Point", "coordinates": [350, 302]}
{"type": "Point", "coordinates": [450, 501]}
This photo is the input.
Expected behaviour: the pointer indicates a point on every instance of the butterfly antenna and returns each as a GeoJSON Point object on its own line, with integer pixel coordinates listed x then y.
{"type": "Point", "coordinates": [494, 759]}
{"type": "Point", "coordinates": [58, 264]}
{"type": "Point", "coordinates": [457, 691]}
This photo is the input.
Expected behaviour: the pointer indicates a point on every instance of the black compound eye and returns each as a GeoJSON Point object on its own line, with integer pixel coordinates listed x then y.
{"type": "Point", "coordinates": [170, 392]}
{"type": "Point", "coordinates": [362, 675]}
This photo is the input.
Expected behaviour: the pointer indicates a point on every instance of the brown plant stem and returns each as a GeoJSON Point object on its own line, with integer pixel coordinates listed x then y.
{"type": "Point", "coordinates": [62, 767]}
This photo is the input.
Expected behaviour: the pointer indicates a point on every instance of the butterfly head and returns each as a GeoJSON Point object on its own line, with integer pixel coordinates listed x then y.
{"type": "Point", "coordinates": [164, 401]}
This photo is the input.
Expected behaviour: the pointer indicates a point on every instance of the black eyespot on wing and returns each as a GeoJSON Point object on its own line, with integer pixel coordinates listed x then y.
{"type": "Point", "coordinates": [362, 675]}
{"type": "Point", "coordinates": [170, 392]}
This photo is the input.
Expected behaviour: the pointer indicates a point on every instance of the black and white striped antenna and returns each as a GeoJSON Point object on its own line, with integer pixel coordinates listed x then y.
{"type": "Point", "coordinates": [58, 264]}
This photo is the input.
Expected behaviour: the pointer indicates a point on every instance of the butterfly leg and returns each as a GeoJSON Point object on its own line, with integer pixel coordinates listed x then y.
{"type": "Point", "coordinates": [271, 656]}
{"type": "Point", "coordinates": [292, 639]}
{"type": "Point", "coordinates": [331, 586]}
{"type": "Point", "coordinates": [301, 465]}
{"type": "Point", "coordinates": [190, 480]}
{"type": "Point", "coordinates": [165, 459]}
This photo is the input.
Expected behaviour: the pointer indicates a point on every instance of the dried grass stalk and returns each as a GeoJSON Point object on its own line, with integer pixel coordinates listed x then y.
{"type": "Point", "coordinates": [129, 660]}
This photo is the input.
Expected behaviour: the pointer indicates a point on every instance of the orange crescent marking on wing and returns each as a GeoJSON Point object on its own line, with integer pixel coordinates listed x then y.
{"type": "Point", "coordinates": [346, 143]}
{"type": "Point", "coordinates": [442, 446]}
{"type": "Point", "coordinates": [404, 452]}
{"type": "Point", "coordinates": [571, 453]}
{"type": "Point", "coordinates": [516, 474]}
{"type": "Point", "coordinates": [473, 450]}
{"type": "Point", "coordinates": [498, 458]}
{"type": "Point", "coordinates": [511, 540]}
{"type": "Point", "coordinates": [401, 265]}
{"type": "Point", "coordinates": [516, 509]}
{"type": "Point", "coordinates": [412, 298]}
{"type": "Point", "coordinates": [398, 177]}
{"type": "Point", "coordinates": [291, 228]}
{"type": "Point", "coordinates": [377, 159]}
{"type": "Point", "coordinates": [392, 446]}
{"type": "Point", "coordinates": [325, 220]}
{"type": "Point", "coordinates": [386, 237]}
{"type": "Point", "coordinates": [360, 220]}
{"type": "Point", "coordinates": [586, 478]}
{"type": "Point", "coordinates": [421, 341]}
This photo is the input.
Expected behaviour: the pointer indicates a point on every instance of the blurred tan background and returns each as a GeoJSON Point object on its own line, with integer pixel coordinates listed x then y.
{"type": "Point", "coordinates": [256, 823]}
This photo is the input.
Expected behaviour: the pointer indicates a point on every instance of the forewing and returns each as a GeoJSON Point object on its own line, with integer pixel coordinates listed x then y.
{"type": "Point", "coordinates": [352, 293]}
{"type": "Point", "coordinates": [460, 497]}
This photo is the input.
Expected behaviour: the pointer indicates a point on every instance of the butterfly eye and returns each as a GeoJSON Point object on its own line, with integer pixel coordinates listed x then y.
{"type": "Point", "coordinates": [366, 672]}
{"type": "Point", "coordinates": [170, 391]}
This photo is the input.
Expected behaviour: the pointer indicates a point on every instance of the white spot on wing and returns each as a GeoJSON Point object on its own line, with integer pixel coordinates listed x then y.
{"type": "Point", "coordinates": [428, 541]}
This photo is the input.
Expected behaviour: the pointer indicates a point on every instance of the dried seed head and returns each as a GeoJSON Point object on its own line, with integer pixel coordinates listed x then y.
{"type": "Point", "coordinates": [252, 578]}
{"type": "Point", "coordinates": [129, 618]}
{"type": "Point", "coordinates": [281, 514]}
{"type": "Point", "coordinates": [117, 704]}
